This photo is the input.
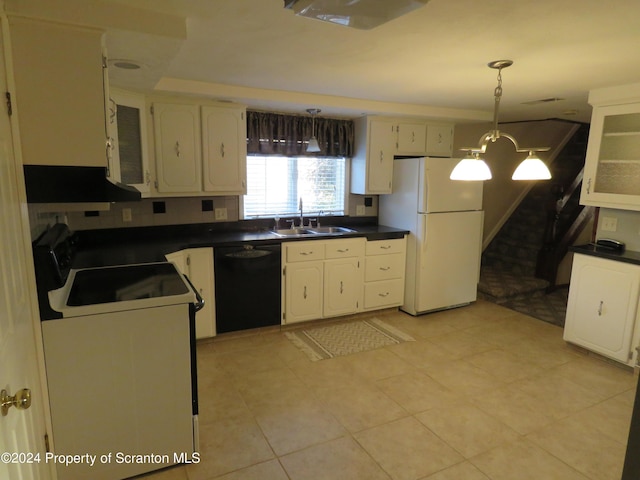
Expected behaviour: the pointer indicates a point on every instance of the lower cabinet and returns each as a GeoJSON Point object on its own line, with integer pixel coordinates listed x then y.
{"type": "Point", "coordinates": [602, 307]}
{"type": "Point", "coordinates": [384, 273]}
{"type": "Point", "coordinates": [197, 264]}
{"type": "Point", "coordinates": [322, 278]}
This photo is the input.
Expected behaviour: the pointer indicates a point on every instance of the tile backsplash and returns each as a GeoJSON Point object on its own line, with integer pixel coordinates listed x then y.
{"type": "Point", "coordinates": [155, 212]}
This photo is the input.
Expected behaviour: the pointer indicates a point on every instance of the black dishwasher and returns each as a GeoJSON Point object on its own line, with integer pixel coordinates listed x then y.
{"type": "Point", "coordinates": [248, 286]}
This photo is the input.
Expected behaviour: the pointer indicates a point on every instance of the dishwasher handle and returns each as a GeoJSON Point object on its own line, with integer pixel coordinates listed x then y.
{"type": "Point", "coordinates": [199, 303]}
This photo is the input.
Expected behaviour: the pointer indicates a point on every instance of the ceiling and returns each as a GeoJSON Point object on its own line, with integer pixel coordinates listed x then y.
{"type": "Point", "coordinates": [431, 62]}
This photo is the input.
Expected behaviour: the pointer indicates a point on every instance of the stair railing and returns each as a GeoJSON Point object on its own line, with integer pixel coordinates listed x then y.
{"type": "Point", "coordinates": [555, 244]}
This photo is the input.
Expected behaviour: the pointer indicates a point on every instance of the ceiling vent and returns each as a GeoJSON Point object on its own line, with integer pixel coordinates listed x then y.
{"type": "Point", "coordinates": [361, 14]}
{"type": "Point", "coordinates": [543, 100]}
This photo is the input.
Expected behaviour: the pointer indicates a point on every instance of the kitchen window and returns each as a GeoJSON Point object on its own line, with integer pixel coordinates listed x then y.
{"type": "Point", "coordinates": [280, 171]}
{"type": "Point", "coordinates": [275, 185]}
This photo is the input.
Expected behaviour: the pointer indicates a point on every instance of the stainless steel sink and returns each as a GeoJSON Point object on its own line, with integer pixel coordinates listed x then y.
{"type": "Point", "coordinates": [291, 232]}
{"type": "Point", "coordinates": [329, 230]}
{"type": "Point", "coordinates": [308, 231]}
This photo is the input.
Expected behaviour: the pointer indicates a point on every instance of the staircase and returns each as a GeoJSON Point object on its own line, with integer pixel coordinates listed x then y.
{"type": "Point", "coordinates": [521, 261]}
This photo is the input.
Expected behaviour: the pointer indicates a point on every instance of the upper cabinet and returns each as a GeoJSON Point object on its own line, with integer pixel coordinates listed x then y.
{"type": "Point", "coordinates": [200, 149]}
{"type": "Point", "coordinates": [612, 165]}
{"type": "Point", "coordinates": [224, 150]}
{"type": "Point", "coordinates": [59, 93]}
{"type": "Point", "coordinates": [379, 139]}
{"type": "Point", "coordinates": [422, 138]}
{"type": "Point", "coordinates": [177, 148]}
{"type": "Point", "coordinates": [372, 163]}
{"type": "Point", "coordinates": [128, 136]}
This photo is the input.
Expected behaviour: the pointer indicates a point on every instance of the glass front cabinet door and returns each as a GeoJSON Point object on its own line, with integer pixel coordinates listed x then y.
{"type": "Point", "coordinates": [612, 166]}
{"type": "Point", "coordinates": [128, 133]}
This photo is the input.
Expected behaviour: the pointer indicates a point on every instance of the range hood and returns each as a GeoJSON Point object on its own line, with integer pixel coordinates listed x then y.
{"type": "Point", "coordinates": [71, 184]}
{"type": "Point", "coordinates": [361, 14]}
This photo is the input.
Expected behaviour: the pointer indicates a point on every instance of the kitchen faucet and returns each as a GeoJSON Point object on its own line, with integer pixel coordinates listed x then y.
{"type": "Point", "coordinates": [301, 217]}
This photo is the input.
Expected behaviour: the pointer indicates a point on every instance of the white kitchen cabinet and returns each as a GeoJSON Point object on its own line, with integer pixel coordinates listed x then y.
{"type": "Point", "coordinates": [439, 140]}
{"type": "Point", "coordinates": [200, 150]}
{"type": "Point", "coordinates": [379, 139]}
{"type": "Point", "coordinates": [128, 133]}
{"type": "Point", "coordinates": [322, 278]}
{"type": "Point", "coordinates": [197, 265]}
{"type": "Point", "coordinates": [384, 273]}
{"type": "Point", "coordinates": [422, 138]}
{"type": "Point", "coordinates": [612, 165]}
{"type": "Point", "coordinates": [303, 291]}
{"type": "Point", "coordinates": [224, 150]}
{"type": "Point", "coordinates": [372, 162]}
{"type": "Point", "coordinates": [411, 138]}
{"type": "Point", "coordinates": [61, 110]}
{"type": "Point", "coordinates": [177, 148]}
{"type": "Point", "coordinates": [602, 306]}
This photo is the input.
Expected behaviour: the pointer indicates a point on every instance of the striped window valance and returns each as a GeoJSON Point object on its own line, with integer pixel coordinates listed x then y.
{"type": "Point", "coordinates": [288, 135]}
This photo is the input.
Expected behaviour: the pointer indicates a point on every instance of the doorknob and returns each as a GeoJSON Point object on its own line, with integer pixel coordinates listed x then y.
{"type": "Point", "coordinates": [21, 400]}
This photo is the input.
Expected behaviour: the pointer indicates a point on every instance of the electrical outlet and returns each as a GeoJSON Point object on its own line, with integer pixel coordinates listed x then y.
{"type": "Point", "coordinates": [126, 214]}
{"type": "Point", "coordinates": [360, 210]}
{"type": "Point", "coordinates": [221, 213]}
{"type": "Point", "coordinates": [609, 224]}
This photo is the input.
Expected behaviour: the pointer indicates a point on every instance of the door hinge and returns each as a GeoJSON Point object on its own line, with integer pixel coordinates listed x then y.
{"type": "Point", "coordinates": [284, 270]}
{"type": "Point", "coordinates": [47, 447]}
{"type": "Point", "coordinates": [9, 106]}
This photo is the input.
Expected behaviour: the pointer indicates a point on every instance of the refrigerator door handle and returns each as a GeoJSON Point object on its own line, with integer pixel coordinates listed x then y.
{"type": "Point", "coordinates": [423, 245]}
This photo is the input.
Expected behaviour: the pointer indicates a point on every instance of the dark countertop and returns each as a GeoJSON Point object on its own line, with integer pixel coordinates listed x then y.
{"type": "Point", "coordinates": [98, 248]}
{"type": "Point", "coordinates": [627, 256]}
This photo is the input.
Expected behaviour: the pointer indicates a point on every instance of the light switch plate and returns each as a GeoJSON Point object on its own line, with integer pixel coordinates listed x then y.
{"type": "Point", "coordinates": [221, 213]}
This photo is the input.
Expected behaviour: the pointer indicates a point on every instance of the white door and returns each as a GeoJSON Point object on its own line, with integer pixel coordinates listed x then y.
{"type": "Point", "coordinates": [438, 193]}
{"type": "Point", "coordinates": [449, 246]}
{"type": "Point", "coordinates": [21, 431]}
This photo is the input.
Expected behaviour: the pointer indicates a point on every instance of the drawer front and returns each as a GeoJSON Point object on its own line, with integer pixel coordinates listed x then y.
{"type": "Point", "coordinates": [388, 293]}
{"type": "Point", "coordinates": [349, 247]}
{"type": "Point", "coordinates": [384, 247]}
{"type": "Point", "coordinates": [384, 267]}
{"type": "Point", "coordinates": [304, 251]}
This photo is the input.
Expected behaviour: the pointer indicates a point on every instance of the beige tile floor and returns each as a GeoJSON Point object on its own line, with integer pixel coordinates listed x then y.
{"type": "Point", "coordinates": [483, 393]}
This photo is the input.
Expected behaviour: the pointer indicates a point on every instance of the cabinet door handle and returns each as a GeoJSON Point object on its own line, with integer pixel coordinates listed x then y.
{"type": "Point", "coordinates": [589, 186]}
{"type": "Point", "coordinates": [439, 138]}
{"type": "Point", "coordinates": [304, 293]}
{"type": "Point", "coordinates": [381, 156]}
{"type": "Point", "coordinates": [344, 250]}
{"type": "Point", "coordinates": [384, 269]}
{"type": "Point", "coordinates": [177, 148]}
{"type": "Point", "coordinates": [310, 252]}
{"type": "Point", "coordinates": [600, 308]}
{"type": "Point", "coordinates": [222, 149]}
{"type": "Point", "coordinates": [386, 294]}
{"type": "Point", "coordinates": [385, 247]}
{"type": "Point", "coordinates": [341, 287]}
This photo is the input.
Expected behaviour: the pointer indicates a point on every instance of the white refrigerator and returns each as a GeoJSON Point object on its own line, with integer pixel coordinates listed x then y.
{"type": "Point", "coordinates": [445, 219]}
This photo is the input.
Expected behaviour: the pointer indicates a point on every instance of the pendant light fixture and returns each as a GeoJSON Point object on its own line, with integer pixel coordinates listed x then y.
{"type": "Point", "coordinates": [473, 167]}
{"type": "Point", "coordinates": [313, 141]}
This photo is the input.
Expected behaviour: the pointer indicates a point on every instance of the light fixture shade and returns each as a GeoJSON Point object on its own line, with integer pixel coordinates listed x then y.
{"type": "Point", "coordinates": [471, 169]}
{"type": "Point", "coordinates": [532, 168]}
{"type": "Point", "coordinates": [313, 145]}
